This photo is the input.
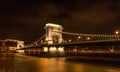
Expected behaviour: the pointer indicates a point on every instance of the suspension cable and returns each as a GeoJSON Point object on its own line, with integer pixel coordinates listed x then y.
{"type": "Point", "coordinates": [94, 35]}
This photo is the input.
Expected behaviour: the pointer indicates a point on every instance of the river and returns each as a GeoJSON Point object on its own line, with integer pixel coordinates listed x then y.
{"type": "Point", "coordinates": [24, 63]}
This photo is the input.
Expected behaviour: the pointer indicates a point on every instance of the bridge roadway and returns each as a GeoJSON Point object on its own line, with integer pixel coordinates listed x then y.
{"type": "Point", "coordinates": [82, 43]}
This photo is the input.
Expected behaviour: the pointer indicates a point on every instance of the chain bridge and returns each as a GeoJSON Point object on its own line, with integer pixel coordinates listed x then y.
{"type": "Point", "coordinates": [56, 42]}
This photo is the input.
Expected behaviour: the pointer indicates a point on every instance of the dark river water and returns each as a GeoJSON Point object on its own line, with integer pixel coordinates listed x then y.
{"type": "Point", "coordinates": [23, 63]}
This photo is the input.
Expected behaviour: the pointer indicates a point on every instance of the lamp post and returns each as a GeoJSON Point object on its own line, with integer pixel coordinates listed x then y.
{"type": "Point", "coordinates": [69, 40]}
{"type": "Point", "coordinates": [117, 32]}
{"type": "Point", "coordinates": [88, 38]}
{"type": "Point", "coordinates": [78, 38]}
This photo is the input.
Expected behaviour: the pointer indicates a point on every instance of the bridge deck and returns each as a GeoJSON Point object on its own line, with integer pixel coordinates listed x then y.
{"type": "Point", "coordinates": [85, 43]}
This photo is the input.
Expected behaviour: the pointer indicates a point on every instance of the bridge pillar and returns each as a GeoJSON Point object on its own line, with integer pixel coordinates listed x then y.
{"type": "Point", "coordinates": [53, 33]}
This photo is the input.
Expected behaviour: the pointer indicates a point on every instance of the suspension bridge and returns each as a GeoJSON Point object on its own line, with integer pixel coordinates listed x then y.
{"type": "Point", "coordinates": [56, 42]}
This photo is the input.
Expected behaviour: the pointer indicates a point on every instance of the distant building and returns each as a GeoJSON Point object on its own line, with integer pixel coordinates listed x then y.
{"type": "Point", "coordinates": [10, 45]}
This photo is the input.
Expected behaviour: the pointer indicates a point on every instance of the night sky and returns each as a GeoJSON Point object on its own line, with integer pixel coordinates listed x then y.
{"type": "Point", "coordinates": [25, 19]}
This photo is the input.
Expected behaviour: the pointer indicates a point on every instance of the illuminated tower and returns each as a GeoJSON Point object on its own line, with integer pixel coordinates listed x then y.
{"type": "Point", "coordinates": [53, 33]}
{"type": "Point", "coordinates": [20, 44]}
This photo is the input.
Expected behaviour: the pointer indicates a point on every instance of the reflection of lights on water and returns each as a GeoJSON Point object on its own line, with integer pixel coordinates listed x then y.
{"type": "Point", "coordinates": [111, 70]}
{"type": "Point", "coordinates": [45, 49]}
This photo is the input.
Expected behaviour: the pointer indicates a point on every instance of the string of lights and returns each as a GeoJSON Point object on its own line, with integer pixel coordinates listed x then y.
{"type": "Point", "coordinates": [93, 35]}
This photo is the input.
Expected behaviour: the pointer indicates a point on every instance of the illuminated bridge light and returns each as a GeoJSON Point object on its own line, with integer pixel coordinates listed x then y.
{"type": "Point", "coordinates": [52, 49]}
{"type": "Point", "coordinates": [49, 42]}
{"type": "Point", "coordinates": [69, 40]}
{"type": "Point", "coordinates": [53, 25]}
{"type": "Point", "coordinates": [116, 32]}
{"type": "Point", "coordinates": [61, 49]}
{"type": "Point", "coordinates": [45, 49]}
{"type": "Point", "coordinates": [79, 37]}
{"type": "Point", "coordinates": [13, 40]}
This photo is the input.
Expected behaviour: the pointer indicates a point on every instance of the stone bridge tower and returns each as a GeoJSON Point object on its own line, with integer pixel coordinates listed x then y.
{"type": "Point", "coordinates": [53, 33]}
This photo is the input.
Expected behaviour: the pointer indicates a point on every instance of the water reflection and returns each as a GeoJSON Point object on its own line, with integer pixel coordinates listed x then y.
{"type": "Point", "coordinates": [22, 63]}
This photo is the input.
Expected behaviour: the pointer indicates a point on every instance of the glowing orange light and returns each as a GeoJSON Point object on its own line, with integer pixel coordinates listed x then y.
{"type": "Point", "coordinates": [116, 32]}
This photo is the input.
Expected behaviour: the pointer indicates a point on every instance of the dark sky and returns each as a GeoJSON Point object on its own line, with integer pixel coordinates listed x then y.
{"type": "Point", "coordinates": [25, 19]}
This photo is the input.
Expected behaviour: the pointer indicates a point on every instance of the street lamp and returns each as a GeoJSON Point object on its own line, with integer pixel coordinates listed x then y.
{"type": "Point", "coordinates": [88, 38]}
{"type": "Point", "coordinates": [69, 40]}
{"type": "Point", "coordinates": [116, 32]}
{"type": "Point", "coordinates": [79, 37]}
